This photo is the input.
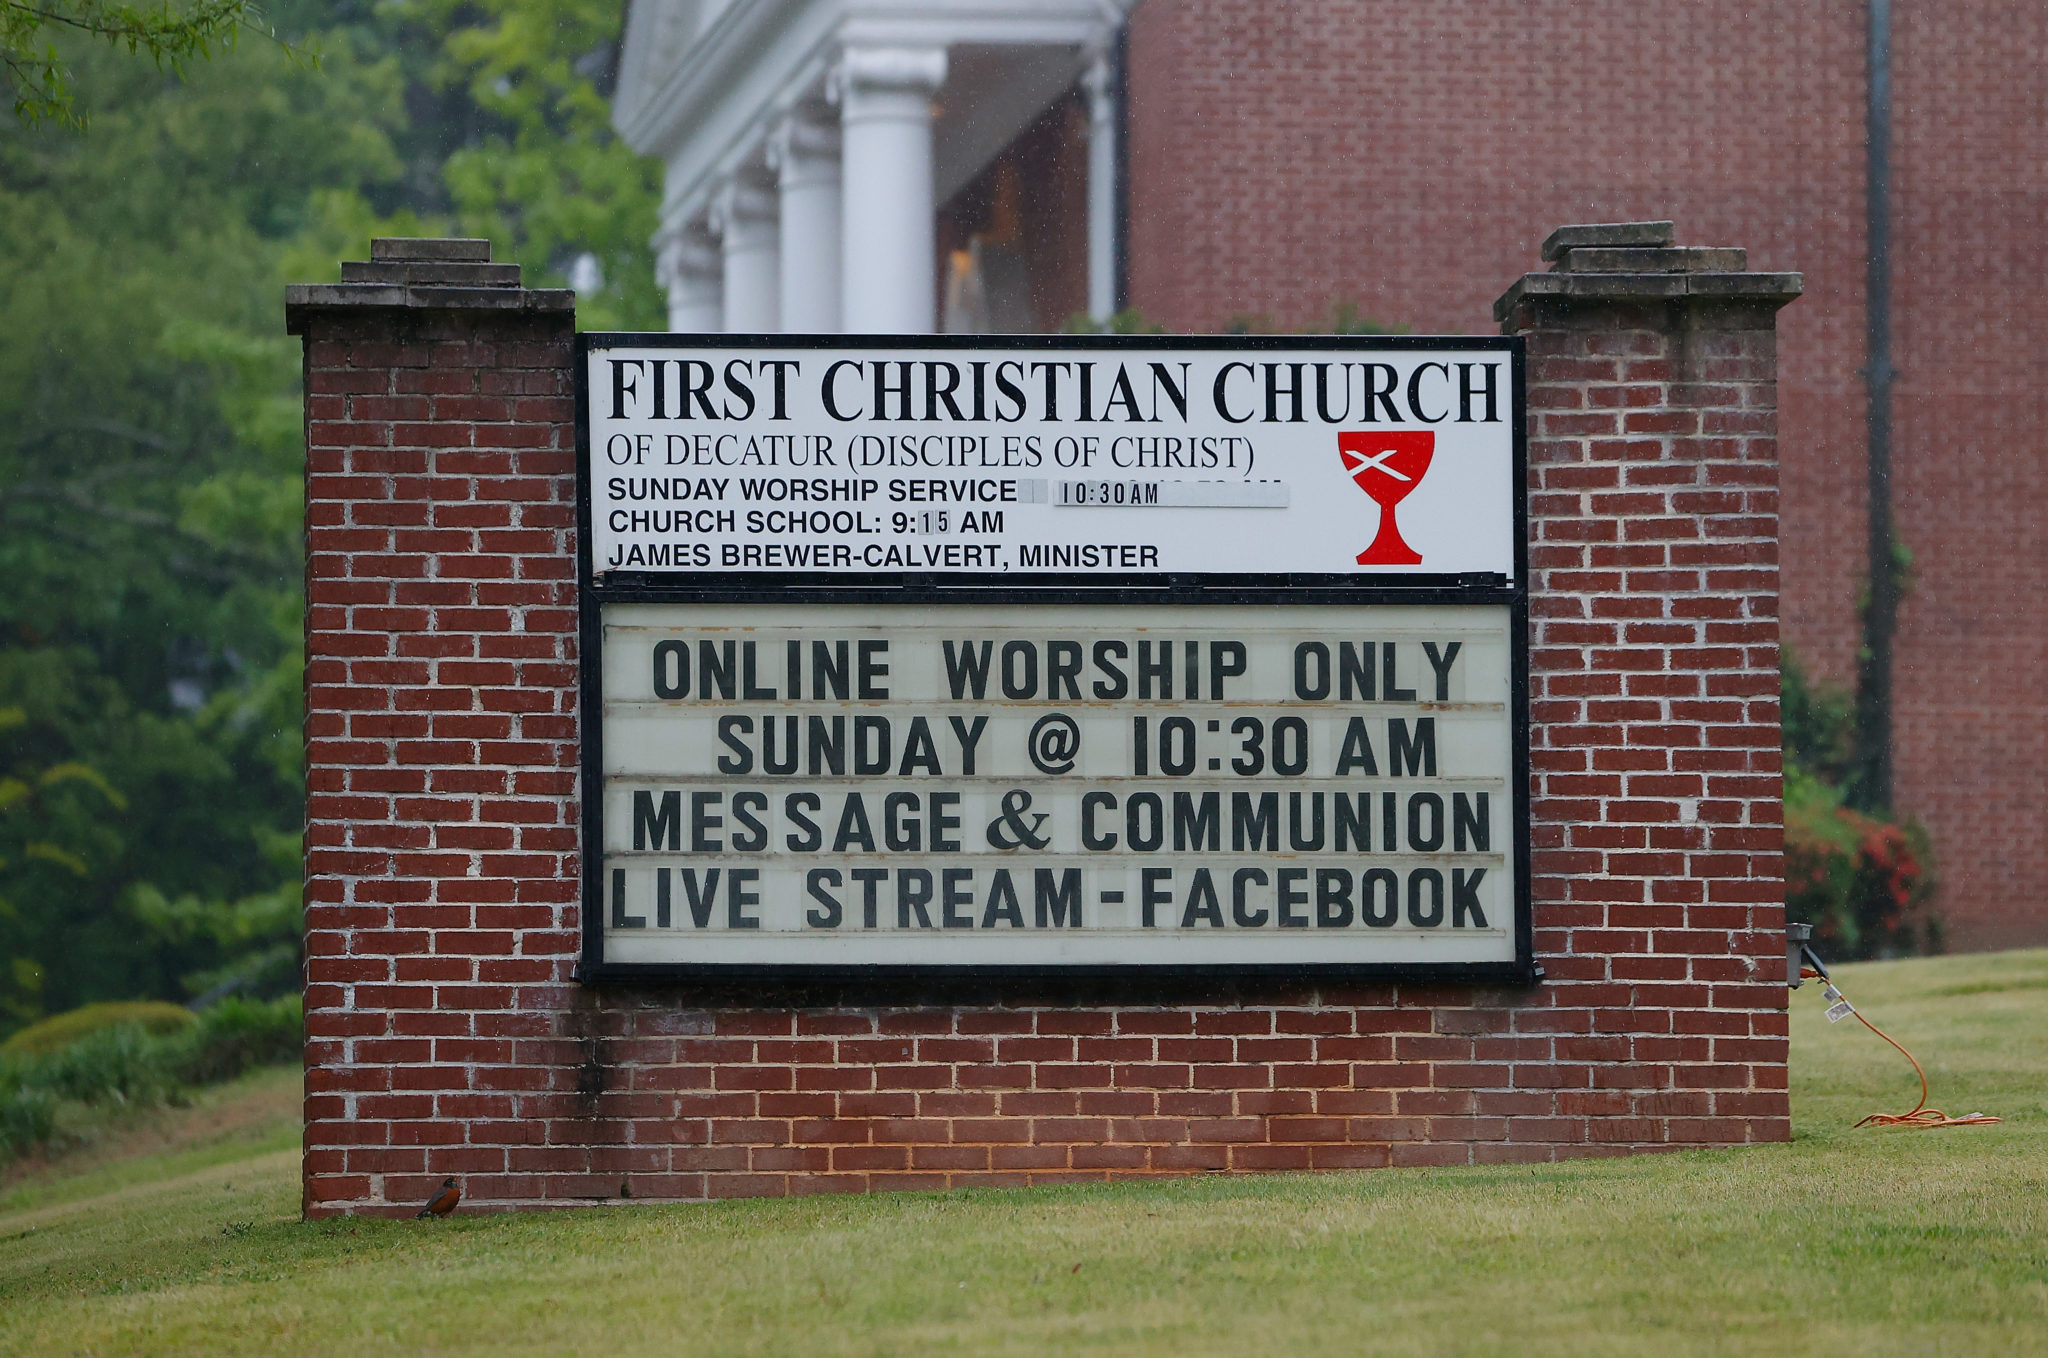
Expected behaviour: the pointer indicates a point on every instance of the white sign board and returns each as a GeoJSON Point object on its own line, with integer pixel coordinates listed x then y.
{"type": "Point", "coordinates": [1057, 785]}
{"type": "Point", "coordinates": [1390, 458]}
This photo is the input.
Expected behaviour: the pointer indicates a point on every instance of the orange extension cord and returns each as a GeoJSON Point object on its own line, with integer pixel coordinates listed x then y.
{"type": "Point", "coordinates": [1921, 1115]}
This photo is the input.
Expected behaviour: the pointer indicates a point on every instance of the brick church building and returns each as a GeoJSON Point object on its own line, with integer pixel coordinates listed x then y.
{"type": "Point", "coordinates": [1012, 165]}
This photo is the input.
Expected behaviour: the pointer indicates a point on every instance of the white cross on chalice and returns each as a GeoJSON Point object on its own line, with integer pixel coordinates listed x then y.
{"type": "Point", "coordinates": [1378, 462]}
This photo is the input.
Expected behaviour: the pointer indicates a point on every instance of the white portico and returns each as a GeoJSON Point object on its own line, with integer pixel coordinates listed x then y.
{"type": "Point", "coordinates": [879, 166]}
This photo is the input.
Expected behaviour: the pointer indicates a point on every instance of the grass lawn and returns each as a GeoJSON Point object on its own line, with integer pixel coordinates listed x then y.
{"type": "Point", "coordinates": [1864, 1242]}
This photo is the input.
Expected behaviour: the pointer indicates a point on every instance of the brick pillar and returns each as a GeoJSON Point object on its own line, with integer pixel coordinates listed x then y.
{"type": "Point", "coordinates": [440, 716]}
{"type": "Point", "coordinates": [1655, 741]}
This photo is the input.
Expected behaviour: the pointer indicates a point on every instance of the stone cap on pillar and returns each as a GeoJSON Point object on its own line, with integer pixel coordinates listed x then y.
{"type": "Point", "coordinates": [1638, 262]}
{"type": "Point", "coordinates": [448, 274]}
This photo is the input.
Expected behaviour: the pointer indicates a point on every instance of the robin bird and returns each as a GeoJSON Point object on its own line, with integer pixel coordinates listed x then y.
{"type": "Point", "coordinates": [443, 1202]}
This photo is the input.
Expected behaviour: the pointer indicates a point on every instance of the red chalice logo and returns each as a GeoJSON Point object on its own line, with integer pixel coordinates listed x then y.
{"type": "Point", "coordinates": [1387, 467]}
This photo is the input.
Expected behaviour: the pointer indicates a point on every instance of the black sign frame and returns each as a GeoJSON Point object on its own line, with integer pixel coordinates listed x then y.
{"type": "Point", "coordinates": [926, 982]}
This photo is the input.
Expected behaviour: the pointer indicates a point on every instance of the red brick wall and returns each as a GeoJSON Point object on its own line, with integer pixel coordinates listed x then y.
{"type": "Point", "coordinates": [1970, 228]}
{"type": "Point", "coordinates": [446, 1033]}
{"type": "Point", "coordinates": [1658, 839]}
{"type": "Point", "coordinates": [441, 841]}
{"type": "Point", "coordinates": [1405, 156]}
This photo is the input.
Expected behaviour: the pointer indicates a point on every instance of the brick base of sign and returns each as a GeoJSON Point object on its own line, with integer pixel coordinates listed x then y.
{"type": "Point", "coordinates": [447, 1033]}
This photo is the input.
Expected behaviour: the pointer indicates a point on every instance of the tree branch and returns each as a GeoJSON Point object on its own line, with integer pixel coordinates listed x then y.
{"type": "Point", "coordinates": [41, 79]}
{"type": "Point", "coordinates": [145, 519]}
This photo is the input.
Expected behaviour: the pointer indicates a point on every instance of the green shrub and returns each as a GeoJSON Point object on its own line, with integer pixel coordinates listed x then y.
{"type": "Point", "coordinates": [1864, 882]}
{"type": "Point", "coordinates": [61, 1030]}
{"type": "Point", "coordinates": [128, 1066]}
{"type": "Point", "coordinates": [1819, 724]}
{"type": "Point", "coordinates": [237, 1034]}
{"type": "Point", "coordinates": [121, 1065]}
{"type": "Point", "coordinates": [28, 1116]}
{"type": "Point", "coordinates": [1129, 321]}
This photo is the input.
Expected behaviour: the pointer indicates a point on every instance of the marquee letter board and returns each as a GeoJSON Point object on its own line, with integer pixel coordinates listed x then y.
{"type": "Point", "coordinates": [917, 657]}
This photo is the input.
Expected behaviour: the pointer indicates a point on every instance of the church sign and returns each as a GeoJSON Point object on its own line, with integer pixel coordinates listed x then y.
{"type": "Point", "coordinates": [906, 658]}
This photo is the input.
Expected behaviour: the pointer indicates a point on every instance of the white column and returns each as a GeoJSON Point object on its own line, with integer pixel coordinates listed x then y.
{"type": "Point", "coordinates": [1100, 83]}
{"type": "Point", "coordinates": [745, 216]}
{"type": "Point", "coordinates": [888, 270]}
{"type": "Point", "coordinates": [804, 154]}
{"type": "Point", "coordinates": [692, 274]}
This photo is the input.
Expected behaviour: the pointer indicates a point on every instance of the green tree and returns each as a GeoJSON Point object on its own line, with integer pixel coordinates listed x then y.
{"type": "Point", "coordinates": [150, 444]}
{"type": "Point", "coordinates": [48, 824]}
{"type": "Point", "coordinates": [547, 179]}
{"type": "Point", "coordinates": [150, 488]}
{"type": "Point", "coordinates": [42, 75]}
